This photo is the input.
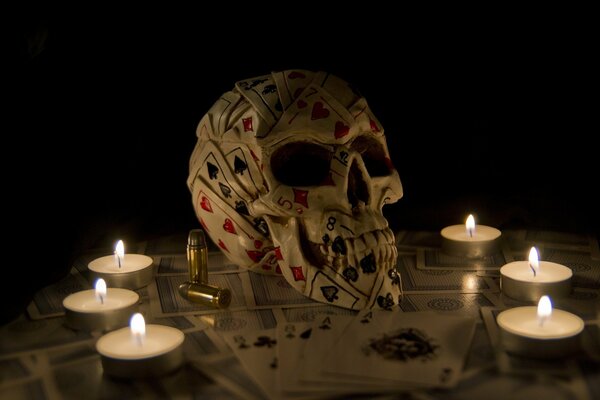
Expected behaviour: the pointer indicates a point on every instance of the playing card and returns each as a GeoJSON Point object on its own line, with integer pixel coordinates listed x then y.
{"type": "Point", "coordinates": [414, 348]}
{"type": "Point", "coordinates": [418, 239]}
{"type": "Point", "coordinates": [237, 321]}
{"type": "Point", "coordinates": [267, 291]}
{"type": "Point", "coordinates": [257, 352]}
{"type": "Point", "coordinates": [416, 280]}
{"type": "Point", "coordinates": [291, 340]}
{"type": "Point", "coordinates": [309, 313]}
{"type": "Point", "coordinates": [47, 302]}
{"type": "Point", "coordinates": [456, 303]}
{"type": "Point", "coordinates": [481, 352]}
{"type": "Point", "coordinates": [438, 260]}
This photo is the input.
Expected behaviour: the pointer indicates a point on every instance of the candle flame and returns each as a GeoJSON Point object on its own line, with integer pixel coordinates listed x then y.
{"type": "Point", "coordinates": [137, 325]}
{"type": "Point", "coordinates": [119, 252]}
{"type": "Point", "coordinates": [100, 290]}
{"type": "Point", "coordinates": [470, 225]}
{"type": "Point", "coordinates": [544, 309]}
{"type": "Point", "coordinates": [534, 261]}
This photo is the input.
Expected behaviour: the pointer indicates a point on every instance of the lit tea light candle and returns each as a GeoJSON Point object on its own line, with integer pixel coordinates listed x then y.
{"type": "Point", "coordinates": [140, 350]}
{"type": "Point", "coordinates": [121, 270]}
{"type": "Point", "coordinates": [540, 332]}
{"type": "Point", "coordinates": [100, 309]}
{"type": "Point", "coordinates": [469, 240]}
{"type": "Point", "coordinates": [529, 280]}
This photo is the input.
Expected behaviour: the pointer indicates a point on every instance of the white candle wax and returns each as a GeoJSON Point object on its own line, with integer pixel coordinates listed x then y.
{"type": "Point", "coordinates": [518, 281]}
{"type": "Point", "coordinates": [122, 345]}
{"type": "Point", "coordinates": [524, 321]}
{"type": "Point", "coordinates": [129, 263]}
{"type": "Point", "coordinates": [482, 233]}
{"type": "Point", "coordinates": [547, 272]}
{"type": "Point", "coordinates": [470, 240]}
{"type": "Point", "coordinates": [86, 301]}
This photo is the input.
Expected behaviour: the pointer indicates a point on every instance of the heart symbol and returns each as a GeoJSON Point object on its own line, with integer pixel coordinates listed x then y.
{"type": "Point", "coordinates": [296, 74]}
{"type": "Point", "coordinates": [258, 244]}
{"type": "Point", "coordinates": [205, 204]}
{"type": "Point", "coordinates": [374, 126]}
{"type": "Point", "coordinates": [222, 245]}
{"type": "Point", "coordinates": [228, 226]}
{"type": "Point", "coordinates": [319, 112]}
{"type": "Point", "coordinates": [301, 104]}
{"type": "Point", "coordinates": [341, 129]}
{"type": "Point", "coordinates": [297, 92]}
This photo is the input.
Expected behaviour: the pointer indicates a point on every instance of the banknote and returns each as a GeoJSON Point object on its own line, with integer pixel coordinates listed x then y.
{"type": "Point", "coordinates": [47, 302]}
{"type": "Point", "coordinates": [438, 260]}
{"type": "Point", "coordinates": [236, 321]}
{"type": "Point", "coordinates": [460, 303]}
{"type": "Point", "coordinates": [267, 291]}
{"type": "Point", "coordinates": [418, 239]}
{"type": "Point", "coordinates": [177, 264]}
{"type": "Point", "coordinates": [25, 336]}
{"type": "Point", "coordinates": [227, 371]}
{"type": "Point", "coordinates": [165, 299]}
{"type": "Point", "coordinates": [416, 280]}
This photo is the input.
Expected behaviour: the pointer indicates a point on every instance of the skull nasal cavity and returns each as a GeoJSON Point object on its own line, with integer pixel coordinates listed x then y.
{"type": "Point", "coordinates": [357, 187]}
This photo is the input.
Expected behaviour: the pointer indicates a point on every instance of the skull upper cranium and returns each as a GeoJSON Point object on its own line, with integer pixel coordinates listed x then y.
{"type": "Point", "coordinates": [289, 176]}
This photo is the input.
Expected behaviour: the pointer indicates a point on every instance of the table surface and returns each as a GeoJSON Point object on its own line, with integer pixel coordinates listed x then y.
{"type": "Point", "coordinates": [40, 357]}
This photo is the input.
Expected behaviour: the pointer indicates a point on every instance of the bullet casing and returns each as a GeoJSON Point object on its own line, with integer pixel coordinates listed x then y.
{"type": "Point", "coordinates": [197, 256]}
{"type": "Point", "coordinates": [205, 294]}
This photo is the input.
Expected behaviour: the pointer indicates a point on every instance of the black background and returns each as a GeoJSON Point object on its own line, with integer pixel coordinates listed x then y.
{"type": "Point", "coordinates": [499, 122]}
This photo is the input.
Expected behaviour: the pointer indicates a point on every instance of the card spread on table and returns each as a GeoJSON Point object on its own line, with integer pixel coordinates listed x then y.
{"type": "Point", "coordinates": [421, 348]}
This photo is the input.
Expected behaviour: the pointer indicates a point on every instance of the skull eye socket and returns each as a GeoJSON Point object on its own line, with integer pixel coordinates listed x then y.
{"type": "Point", "coordinates": [373, 155]}
{"type": "Point", "coordinates": [301, 164]}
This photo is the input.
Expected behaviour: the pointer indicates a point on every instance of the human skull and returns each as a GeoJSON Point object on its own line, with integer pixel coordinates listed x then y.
{"type": "Point", "coordinates": [289, 176]}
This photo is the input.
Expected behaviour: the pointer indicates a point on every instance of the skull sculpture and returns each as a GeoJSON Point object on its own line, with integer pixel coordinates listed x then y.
{"type": "Point", "coordinates": [289, 176]}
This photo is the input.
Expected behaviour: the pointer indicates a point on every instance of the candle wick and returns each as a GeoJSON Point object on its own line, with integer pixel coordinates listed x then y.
{"type": "Point", "coordinates": [101, 299]}
{"type": "Point", "coordinates": [470, 232]}
{"type": "Point", "coordinates": [139, 339]}
{"type": "Point", "coordinates": [533, 269]}
{"type": "Point", "coordinates": [542, 320]}
{"type": "Point", "coordinates": [119, 260]}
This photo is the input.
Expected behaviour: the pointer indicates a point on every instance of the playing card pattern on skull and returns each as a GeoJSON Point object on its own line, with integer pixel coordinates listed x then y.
{"type": "Point", "coordinates": [289, 176]}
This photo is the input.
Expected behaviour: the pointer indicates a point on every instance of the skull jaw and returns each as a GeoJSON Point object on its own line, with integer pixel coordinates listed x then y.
{"type": "Point", "coordinates": [374, 284]}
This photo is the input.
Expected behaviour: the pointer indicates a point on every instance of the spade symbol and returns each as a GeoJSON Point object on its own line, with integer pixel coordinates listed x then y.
{"type": "Point", "coordinates": [241, 208]}
{"type": "Point", "coordinates": [212, 171]}
{"type": "Point", "coordinates": [330, 293]}
{"type": "Point", "coordinates": [225, 190]}
{"type": "Point", "coordinates": [239, 165]}
{"type": "Point", "coordinates": [306, 333]}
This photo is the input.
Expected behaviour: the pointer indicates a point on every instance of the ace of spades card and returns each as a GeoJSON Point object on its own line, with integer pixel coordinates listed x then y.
{"type": "Point", "coordinates": [421, 348]}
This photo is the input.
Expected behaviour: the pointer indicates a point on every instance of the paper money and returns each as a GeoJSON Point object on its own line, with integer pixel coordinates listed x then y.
{"type": "Point", "coordinates": [47, 302]}
{"type": "Point", "coordinates": [178, 264]}
{"type": "Point", "coordinates": [416, 280]}
{"type": "Point", "coordinates": [165, 299]}
{"type": "Point", "coordinates": [437, 260]}
{"type": "Point", "coordinates": [266, 291]}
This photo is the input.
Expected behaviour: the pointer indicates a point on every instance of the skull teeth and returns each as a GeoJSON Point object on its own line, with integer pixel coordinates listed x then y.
{"type": "Point", "coordinates": [379, 244]}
